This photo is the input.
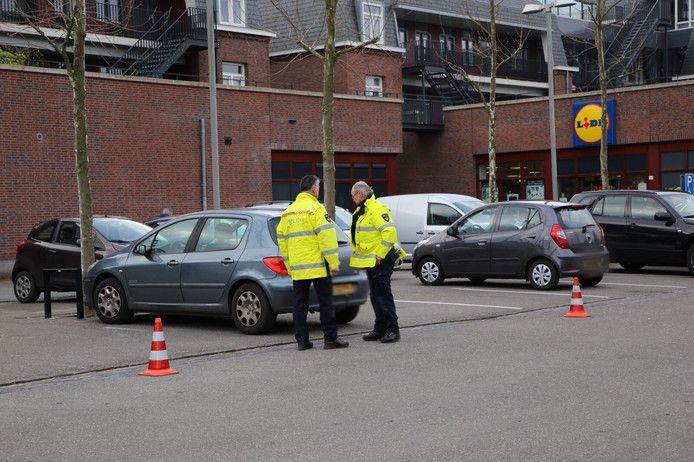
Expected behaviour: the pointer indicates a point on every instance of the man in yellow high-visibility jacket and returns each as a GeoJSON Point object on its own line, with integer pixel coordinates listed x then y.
{"type": "Point", "coordinates": [375, 248]}
{"type": "Point", "coordinates": [308, 244]}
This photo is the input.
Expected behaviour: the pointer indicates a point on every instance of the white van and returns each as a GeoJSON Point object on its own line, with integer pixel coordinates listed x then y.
{"type": "Point", "coordinates": [420, 216]}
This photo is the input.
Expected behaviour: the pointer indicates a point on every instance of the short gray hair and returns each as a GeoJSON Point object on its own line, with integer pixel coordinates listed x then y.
{"type": "Point", "coordinates": [362, 188]}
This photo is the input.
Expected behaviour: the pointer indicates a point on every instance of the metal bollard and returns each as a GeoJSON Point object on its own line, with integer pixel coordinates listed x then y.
{"type": "Point", "coordinates": [46, 294]}
{"type": "Point", "coordinates": [80, 294]}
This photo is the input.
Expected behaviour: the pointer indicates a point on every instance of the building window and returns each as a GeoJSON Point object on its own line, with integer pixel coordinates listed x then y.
{"type": "Point", "coordinates": [672, 166]}
{"type": "Point", "coordinates": [402, 37]}
{"type": "Point", "coordinates": [232, 12]}
{"type": "Point", "coordinates": [374, 86]}
{"type": "Point", "coordinates": [108, 10]}
{"type": "Point", "coordinates": [468, 49]}
{"type": "Point", "coordinates": [63, 7]}
{"type": "Point", "coordinates": [373, 21]}
{"type": "Point", "coordinates": [234, 74]}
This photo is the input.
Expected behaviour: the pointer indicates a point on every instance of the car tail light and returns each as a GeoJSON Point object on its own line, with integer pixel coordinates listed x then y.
{"type": "Point", "coordinates": [21, 245]}
{"type": "Point", "coordinates": [559, 237]}
{"type": "Point", "coordinates": [276, 264]}
{"type": "Point", "coordinates": [603, 241]}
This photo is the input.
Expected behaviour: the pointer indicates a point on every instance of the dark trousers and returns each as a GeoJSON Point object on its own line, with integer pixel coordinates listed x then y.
{"type": "Point", "coordinates": [324, 289]}
{"type": "Point", "coordinates": [382, 297]}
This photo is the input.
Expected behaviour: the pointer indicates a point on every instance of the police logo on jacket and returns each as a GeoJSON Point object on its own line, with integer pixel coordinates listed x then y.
{"type": "Point", "coordinates": [373, 234]}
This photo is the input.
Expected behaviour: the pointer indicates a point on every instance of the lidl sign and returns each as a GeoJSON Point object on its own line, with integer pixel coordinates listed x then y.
{"type": "Point", "coordinates": [587, 123]}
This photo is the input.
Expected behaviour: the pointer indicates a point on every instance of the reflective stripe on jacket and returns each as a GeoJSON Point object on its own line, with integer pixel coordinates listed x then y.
{"type": "Point", "coordinates": [375, 235]}
{"type": "Point", "coordinates": [307, 239]}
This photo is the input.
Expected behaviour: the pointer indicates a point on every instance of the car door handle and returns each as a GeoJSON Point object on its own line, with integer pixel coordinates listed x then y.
{"type": "Point", "coordinates": [52, 251]}
{"type": "Point", "coordinates": [172, 263]}
{"type": "Point", "coordinates": [480, 243]}
{"type": "Point", "coordinates": [419, 232]}
{"type": "Point", "coordinates": [227, 261]}
{"type": "Point", "coordinates": [529, 237]}
{"type": "Point", "coordinates": [431, 232]}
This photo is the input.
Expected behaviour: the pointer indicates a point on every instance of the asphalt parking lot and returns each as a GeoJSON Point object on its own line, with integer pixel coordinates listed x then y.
{"type": "Point", "coordinates": [35, 348]}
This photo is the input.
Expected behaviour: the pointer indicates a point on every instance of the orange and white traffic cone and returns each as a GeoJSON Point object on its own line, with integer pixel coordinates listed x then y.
{"type": "Point", "coordinates": [576, 308]}
{"type": "Point", "coordinates": [158, 357]}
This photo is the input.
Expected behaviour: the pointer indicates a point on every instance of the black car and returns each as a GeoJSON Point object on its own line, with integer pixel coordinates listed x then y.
{"type": "Point", "coordinates": [537, 241]}
{"type": "Point", "coordinates": [654, 228]}
{"type": "Point", "coordinates": [56, 244]}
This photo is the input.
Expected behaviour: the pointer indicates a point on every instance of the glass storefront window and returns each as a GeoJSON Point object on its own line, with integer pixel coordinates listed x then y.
{"type": "Point", "coordinates": [670, 181]}
{"type": "Point", "coordinates": [510, 170]}
{"type": "Point", "coordinates": [360, 170]}
{"type": "Point", "coordinates": [589, 165]}
{"type": "Point", "coordinates": [635, 163]}
{"type": "Point", "coordinates": [534, 168]}
{"type": "Point", "coordinates": [378, 171]}
{"type": "Point", "coordinates": [566, 166]}
{"type": "Point", "coordinates": [280, 170]}
{"type": "Point", "coordinates": [301, 169]}
{"type": "Point", "coordinates": [672, 160]}
{"type": "Point", "coordinates": [567, 188]}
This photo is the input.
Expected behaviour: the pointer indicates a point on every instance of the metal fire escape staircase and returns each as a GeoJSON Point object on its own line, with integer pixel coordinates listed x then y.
{"type": "Point", "coordinates": [626, 48]}
{"type": "Point", "coordinates": [153, 57]}
{"type": "Point", "coordinates": [451, 90]}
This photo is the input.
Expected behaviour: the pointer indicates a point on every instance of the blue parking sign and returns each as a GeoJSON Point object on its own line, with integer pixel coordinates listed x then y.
{"type": "Point", "coordinates": [687, 181]}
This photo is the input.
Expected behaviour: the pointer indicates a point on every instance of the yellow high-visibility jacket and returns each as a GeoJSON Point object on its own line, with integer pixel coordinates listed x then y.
{"type": "Point", "coordinates": [307, 239]}
{"type": "Point", "coordinates": [375, 235]}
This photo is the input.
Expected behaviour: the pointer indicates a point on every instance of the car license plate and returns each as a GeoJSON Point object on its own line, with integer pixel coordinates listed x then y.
{"type": "Point", "coordinates": [341, 289]}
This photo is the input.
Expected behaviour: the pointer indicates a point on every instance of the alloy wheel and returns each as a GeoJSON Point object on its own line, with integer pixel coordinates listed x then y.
{"type": "Point", "coordinates": [22, 286]}
{"type": "Point", "coordinates": [542, 274]}
{"type": "Point", "coordinates": [248, 309]}
{"type": "Point", "coordinates": [430, 271]}
{"type": "Point", "coordinates": [108, 301]}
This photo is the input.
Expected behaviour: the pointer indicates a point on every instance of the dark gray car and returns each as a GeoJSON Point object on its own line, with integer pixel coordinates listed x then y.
{"type": "Point", "coordinates": [537, 241]}
{"type": "Point", "coordinates": [223, 262]}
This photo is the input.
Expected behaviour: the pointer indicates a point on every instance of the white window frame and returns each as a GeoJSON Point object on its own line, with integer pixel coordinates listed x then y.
{"type": "Point", "coordinates": [368, 31]}
{"type": "Point", "coordinates": [233, 78]}
{"type": "Point", "coordinates": [107, 10]}
{"type": "Point", "coordinates": [232, 19]}
{"type": "Point", "coordinates": [375, 89]}
{"type": "Point", "coordinates": [63, 7]}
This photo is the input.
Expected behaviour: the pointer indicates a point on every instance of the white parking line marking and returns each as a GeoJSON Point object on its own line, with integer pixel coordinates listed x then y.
{"type": "Point", "coordinates": [643, 285]}
{"type": "Point", "coordinates": [123, 328]}
{"type": "Point", "coordinates": [522, 292]}
{"type": "Point", "coordinates": [461, 304]}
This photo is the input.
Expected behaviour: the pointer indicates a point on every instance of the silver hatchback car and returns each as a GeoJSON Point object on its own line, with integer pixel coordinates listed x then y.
{"type": "Point", "coordinates": [222, 262]}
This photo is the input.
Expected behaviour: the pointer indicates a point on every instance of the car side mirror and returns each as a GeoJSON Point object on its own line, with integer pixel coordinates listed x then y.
{"type": "Point", "coordinates": [451, 231]}
{"type": "Point", "coordinates": [141, 250]}
{"type": "Point", "coordinates": [663, 216]}
{"type": "Point", "coordinates": [78, 242]}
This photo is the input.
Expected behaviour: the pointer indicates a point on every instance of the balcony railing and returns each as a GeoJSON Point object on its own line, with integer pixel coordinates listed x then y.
{"type": "Point", "coordinates": [472, 63]}
{"type": "Point", "coordinates": [418, 114]}
{"type": "Point", "coordinates": [102, 18]}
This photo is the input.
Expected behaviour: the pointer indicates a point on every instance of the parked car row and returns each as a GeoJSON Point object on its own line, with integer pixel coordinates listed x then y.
{"type": "Point", "coordinates": [227, 262]}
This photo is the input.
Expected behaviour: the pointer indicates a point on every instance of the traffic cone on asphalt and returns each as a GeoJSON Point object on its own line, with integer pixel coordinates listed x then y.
{"type": "Point", "coordinates": [158, 357]}
{"type": "Point", "coordinates": [576, 308]}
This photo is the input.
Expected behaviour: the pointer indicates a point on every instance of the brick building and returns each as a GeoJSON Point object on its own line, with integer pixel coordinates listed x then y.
{"type": "Point", "coordinates": [405, 120]}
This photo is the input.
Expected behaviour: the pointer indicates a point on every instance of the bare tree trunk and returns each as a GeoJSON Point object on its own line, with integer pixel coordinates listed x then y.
{"type": "Point", "coordinates": [603, 81]}
{"type": "Point", "coordinates": [77, 79]}
{"type": "Point", "coordinates": [330, 57]}
{"type": "Point", "coordinates": [491, 107]}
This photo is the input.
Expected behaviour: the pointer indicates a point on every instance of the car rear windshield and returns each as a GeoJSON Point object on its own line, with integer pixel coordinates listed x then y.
{"type": "Point", "coordinates": [342, 238]}
{"type": "Point", "coordinates": [573, 218]}
{"type": "Point", "coordinates": [120, 230]}
{"type": "Point", "coordinates": [682, 203]}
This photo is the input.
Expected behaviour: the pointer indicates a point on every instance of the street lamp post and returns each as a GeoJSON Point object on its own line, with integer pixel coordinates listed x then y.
{"type": "Point", "coordinates": [214, 136]}
{"type": "Point", "coordinates": [547, 8]}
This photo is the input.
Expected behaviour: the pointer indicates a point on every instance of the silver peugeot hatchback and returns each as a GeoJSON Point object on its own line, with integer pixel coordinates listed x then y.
{"type": "Point", "coordinates": [222, 262]}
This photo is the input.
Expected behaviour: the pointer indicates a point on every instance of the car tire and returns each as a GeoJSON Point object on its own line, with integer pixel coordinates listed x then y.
{"type": "Point", "coordinates": [347, 314]}
{"type": "Point", "coordinates": [110, 302]}
{"type": "Point", "coordinates": [25, 290]}
{"type": "Point", "coordinates": [477, 280]}
{"type": "Point", "coordinates": [590, 282]}
{"type": "Point", "coordinates": [631, 266]}
{"type": "Point", "coordinates": [251, 310]}
{"type": "Point", "coordinates": [690, 260]}
{"type": "Point", "coordinates": [543, 275]}
{"type": "Point", "coordinates": [429, 271]}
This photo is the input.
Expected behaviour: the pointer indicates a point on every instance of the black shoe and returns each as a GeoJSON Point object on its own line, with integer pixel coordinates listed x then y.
{"type": "Point", "coordinates": [337, 343]}
{"type": "Point", "coordinates": [390, 337]}
{"type": "Point", "coordinates": [372, 336]}
{"type": "Point", "coordinates": [307, 345]}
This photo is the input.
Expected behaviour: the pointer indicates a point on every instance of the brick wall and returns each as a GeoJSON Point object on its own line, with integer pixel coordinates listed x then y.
{"type": "Point", "coordinates": [144, 144]}
{"type": "Point", "coordinates": [249, 50]}
{"type": "Point", "coordinates": [305, 72]}
{"type": "Point", "coordinates": [444, 161]}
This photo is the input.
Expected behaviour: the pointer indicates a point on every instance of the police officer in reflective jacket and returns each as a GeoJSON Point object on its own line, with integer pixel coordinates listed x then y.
{"type": "Point", "coordinates": [375, 248]}
{"type": "Point", "coordinates": [308, 244]}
